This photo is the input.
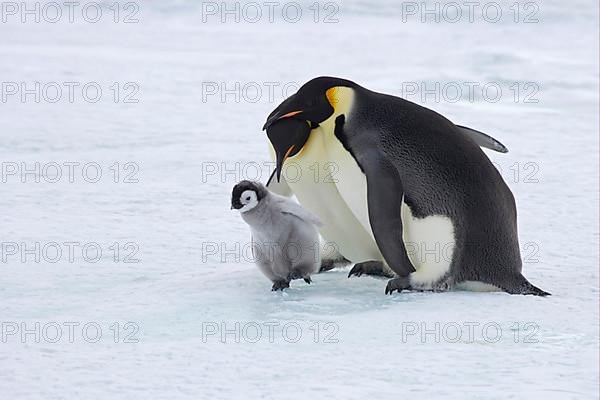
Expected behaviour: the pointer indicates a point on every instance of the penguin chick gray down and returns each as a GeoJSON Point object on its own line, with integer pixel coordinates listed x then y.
{"type": "Point", "coordinates": [285, 236]}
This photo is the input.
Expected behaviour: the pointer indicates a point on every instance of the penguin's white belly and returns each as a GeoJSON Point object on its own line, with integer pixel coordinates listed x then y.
{"type": "Point", "coordinates": [315, 188]}
{"type": "Point", "coordinates": [350, 182]}
{"type": "Point", "coordinates": [429, 243]}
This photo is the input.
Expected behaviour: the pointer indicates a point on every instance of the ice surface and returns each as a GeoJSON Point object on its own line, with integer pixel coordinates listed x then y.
{"type": "Point", "coordinates": [174, 295]}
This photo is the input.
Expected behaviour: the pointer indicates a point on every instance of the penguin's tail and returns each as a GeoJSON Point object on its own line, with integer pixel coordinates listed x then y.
{"type": "Point", "coordinates": [520, 285]}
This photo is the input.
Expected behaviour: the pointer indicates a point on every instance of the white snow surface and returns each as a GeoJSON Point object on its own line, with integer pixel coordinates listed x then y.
{"type": "Point", "coordinates": [176, 291]}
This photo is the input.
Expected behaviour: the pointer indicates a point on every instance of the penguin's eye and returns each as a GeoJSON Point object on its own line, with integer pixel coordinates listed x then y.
{"type": "Point", "coordinates": [248, 198]}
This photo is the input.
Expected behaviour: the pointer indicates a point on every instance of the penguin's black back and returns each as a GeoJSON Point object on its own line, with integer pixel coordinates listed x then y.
{"type": "Point", "coordinates": [442, 173]}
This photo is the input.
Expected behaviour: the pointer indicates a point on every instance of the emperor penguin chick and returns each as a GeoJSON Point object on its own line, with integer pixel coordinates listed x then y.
{"type": "Point", "coordinates": [285, 236]}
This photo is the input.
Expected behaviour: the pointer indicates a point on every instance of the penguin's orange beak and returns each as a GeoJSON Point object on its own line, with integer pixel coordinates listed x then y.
{"type": "Point", "coordinates": [290, 107]}
{"type": "Point", "coordinates": [281, 160]}
{"type": "Point", "coordinates": [278, 116]}
{"type": "Point", "coordinates": [290, 114]}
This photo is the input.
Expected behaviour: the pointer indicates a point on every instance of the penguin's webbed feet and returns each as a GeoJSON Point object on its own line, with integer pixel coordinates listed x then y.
{"type": "Point", "coordinates": [280, 285]}
{"type": "Point", "coordinates": [399, 284]}
{"type": "Point", "coordinates": [327, 265]}
{"type": "Point", "coordinates": [298, 275]}
{"type": "Point", "coordinates": [374, 268]}
{"type": "Point", "coordinates": [330, 263]}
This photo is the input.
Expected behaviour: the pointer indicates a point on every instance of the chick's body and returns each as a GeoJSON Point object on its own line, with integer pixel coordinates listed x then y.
{"type": "Point", "coordinates": [285, 238]}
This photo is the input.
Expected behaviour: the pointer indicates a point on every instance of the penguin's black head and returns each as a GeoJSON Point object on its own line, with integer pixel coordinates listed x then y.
{"type": "Point", "coordinates": [289, 125]}
{"type": "Point", "coordinates": [246, 195]}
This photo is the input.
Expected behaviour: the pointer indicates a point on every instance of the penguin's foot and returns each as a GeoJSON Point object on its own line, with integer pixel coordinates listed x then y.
{"type": "Point", "coordinates": [331, 263]}
{"type": "Point", "coordinates": [374, 268]}
{"type": "Point", "coordinates": [327, 265]}
{"type": "Point", "coordinates": [280, 285]}
{"type": "Point", "coordinates": [399, 284]}
{"type": "Point", "coordinates": [308, 280]}
{"type": "Point", "coordinates": [295, 274]}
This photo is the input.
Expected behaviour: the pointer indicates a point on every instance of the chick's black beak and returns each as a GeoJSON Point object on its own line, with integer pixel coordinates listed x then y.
{"type": "Point", "coordinates": [235, 204]}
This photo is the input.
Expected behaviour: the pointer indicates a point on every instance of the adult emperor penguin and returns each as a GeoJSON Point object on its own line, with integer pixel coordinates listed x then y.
{"type": "Point", "coordinates": [398, 186]}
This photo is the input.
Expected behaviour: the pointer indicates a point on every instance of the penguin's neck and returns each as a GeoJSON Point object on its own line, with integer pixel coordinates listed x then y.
{"type": "Point", "coordinates": [322, 139]}
{"type": "Point", "coordinates": [341, 99]}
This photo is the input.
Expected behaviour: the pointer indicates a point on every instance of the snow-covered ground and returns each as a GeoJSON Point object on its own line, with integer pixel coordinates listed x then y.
{"type": "Point", "coordinates": [184, 321]}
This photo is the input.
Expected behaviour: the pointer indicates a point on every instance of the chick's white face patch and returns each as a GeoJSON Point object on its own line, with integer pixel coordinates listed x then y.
{"type": "Point", "coordinates": [249, 200]}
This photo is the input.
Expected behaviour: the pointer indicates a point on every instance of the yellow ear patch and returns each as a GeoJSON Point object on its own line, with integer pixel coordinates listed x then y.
{"type": "Point", "coordinates": [332, 94]}
{"type": "Point", "coordinates": [341, 99]}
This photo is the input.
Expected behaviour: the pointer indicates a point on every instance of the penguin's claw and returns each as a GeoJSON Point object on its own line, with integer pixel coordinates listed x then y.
{"type": "Point", "coordinates": [355, 271]}
{"type": "Point", "coordinates": [280, 285]}
{"type": "Point", "coordinates": [327, 265]}
{"type": "Point", "coordinates": [298, 275]}
{"type": "Point", "coordinates": [374, 268]}
{"type": "Point", "coordinates": [398, 284]}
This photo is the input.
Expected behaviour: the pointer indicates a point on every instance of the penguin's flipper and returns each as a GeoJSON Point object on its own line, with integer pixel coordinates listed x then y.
{"type": "Point", "coordinates": [384, 198]}
{"type": "Point", "coordinates": [292, 208]}
{"type": "Point", "coordinates": [483, 140]}
{"type": "Point", "coordinates": [281, 187]}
